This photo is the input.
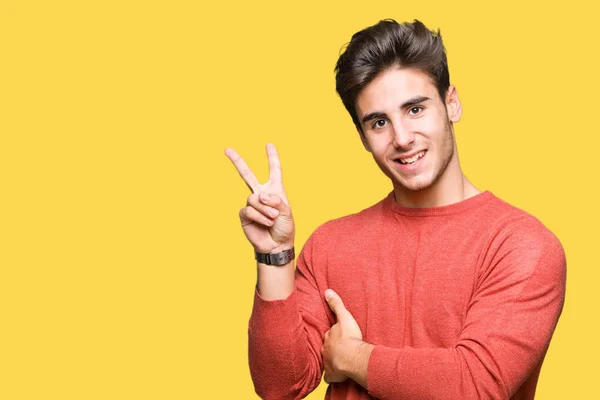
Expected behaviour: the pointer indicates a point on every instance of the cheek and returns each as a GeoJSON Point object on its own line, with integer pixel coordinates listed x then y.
{"type": "Point", "coordinates": [428, 125]}
{"type": "Point", "coordinates": [435, 129]}
{"type": "Point", "coordinates": [376, 145]}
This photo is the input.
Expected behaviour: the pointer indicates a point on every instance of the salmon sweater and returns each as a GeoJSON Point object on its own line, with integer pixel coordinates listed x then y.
{"type": "Point", "coordinates": [460, 302]}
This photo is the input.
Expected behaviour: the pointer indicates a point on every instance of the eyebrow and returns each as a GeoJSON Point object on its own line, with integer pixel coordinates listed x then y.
{"type": "Point", "coordinates": [371, 116]}
{"type": "Point", "coordinates": [415, 100]}
{"type": "Point", "coordinates": [407, 104]}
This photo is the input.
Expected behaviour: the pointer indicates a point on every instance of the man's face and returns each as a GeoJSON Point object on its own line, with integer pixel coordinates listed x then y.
{"type": "Point", "coordinates": [407, 127]}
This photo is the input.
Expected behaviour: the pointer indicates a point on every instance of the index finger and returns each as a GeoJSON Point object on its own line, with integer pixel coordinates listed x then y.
{"type": "Point", "coordinates": [274, 164]}
{"type": "Point", "coordinates": [243, 169]}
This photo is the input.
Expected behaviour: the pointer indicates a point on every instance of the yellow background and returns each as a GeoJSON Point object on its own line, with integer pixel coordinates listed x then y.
{"type": "Point", "coordinates": [124, 273]}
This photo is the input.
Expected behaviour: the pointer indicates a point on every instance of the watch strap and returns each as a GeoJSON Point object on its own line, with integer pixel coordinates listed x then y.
{"type": "Point", "coordinates": [277, 259]}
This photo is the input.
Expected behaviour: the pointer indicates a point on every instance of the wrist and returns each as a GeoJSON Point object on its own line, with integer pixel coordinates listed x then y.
{"type": "Point", "coordinates": [356, 363]}
{"type": "Point", "coordinates": [281, 247]}
{"type": "Point", "coordinates": [275, 282]}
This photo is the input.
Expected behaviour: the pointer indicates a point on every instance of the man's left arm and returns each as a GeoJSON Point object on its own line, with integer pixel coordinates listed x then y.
{"type": "Point", "coordinates": [509, 323]}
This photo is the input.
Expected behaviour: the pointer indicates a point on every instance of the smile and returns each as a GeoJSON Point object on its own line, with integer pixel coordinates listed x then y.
{"type": "Point", "coordinates": [413, 159]}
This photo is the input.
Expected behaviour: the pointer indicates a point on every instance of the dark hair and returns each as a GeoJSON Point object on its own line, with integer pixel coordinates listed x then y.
{"type": "Point", "coordinates": [385, 45]}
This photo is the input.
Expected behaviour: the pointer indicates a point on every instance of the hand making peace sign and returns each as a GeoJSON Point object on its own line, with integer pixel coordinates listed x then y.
{"type": "Point", "coordinates": [267, 218]}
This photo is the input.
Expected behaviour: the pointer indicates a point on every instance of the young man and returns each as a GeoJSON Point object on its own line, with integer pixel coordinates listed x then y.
{"type": "Point", "coordinates": [439, 291]}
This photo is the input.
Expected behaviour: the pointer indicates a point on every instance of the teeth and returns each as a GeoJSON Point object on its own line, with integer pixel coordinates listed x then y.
{"type": "Point", "coordinates": [412, 159]}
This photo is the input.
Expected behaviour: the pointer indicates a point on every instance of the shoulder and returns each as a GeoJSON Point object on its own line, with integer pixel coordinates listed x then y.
{"type": "Point", "coordinates": [509, 220]}
{"type": "Point", "coordinates": [520, 236]}
{"type": "Point", "coordinates": [353, 222]}
{"type": "Point", "coordinates": [348, 230]}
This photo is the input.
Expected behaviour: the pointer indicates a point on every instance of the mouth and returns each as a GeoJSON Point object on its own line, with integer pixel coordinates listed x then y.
{"type": "Point", "coordinates": [411, 160]}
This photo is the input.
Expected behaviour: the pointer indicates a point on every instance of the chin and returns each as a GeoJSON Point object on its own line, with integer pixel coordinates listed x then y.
{"type": "Point", "coordinates": [416, 186]}
{"type": "Point", "coordinates": [418, 183]}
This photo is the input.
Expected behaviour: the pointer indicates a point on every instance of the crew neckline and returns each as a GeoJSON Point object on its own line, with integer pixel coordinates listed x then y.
{"type": "Point", "coordinates": [448, 209]}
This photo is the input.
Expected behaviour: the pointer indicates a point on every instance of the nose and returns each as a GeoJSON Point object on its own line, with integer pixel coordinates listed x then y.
{"type": "Point", "coordinates": [403, 135]}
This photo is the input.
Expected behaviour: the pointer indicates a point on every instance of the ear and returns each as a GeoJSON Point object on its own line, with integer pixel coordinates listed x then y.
{"type": "Point", "coordinates": [453, 106]}
{"type": "Point", "coordinates": [363, 139]}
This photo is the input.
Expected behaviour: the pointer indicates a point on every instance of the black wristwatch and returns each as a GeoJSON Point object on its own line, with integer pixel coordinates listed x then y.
{"type": "Point", "coordinates": [277, 259]}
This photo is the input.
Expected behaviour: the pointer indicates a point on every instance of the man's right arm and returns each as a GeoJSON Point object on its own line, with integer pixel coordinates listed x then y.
{"type": "Point", "coordinates": [288, 319]}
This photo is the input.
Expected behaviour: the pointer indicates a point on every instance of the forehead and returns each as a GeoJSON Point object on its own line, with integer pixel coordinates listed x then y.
{"type": "Point", "coordinates": [392, 88]}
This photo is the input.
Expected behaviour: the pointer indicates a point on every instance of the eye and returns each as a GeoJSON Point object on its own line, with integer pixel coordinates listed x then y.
{"type": "Point", "coordinates": [380, 123]}
{"type": "Point", "coordinates": [415, 110]}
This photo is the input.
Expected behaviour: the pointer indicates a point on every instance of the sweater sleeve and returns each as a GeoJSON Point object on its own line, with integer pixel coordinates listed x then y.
{"type": "Point", "coordinates": [285, 337]}
{"type": "Point", "coordinates": [511, 317]}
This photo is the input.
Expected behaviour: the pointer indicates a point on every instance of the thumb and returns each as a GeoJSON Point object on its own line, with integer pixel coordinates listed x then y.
{"type": "Point", "coordinates": [335, 303]}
